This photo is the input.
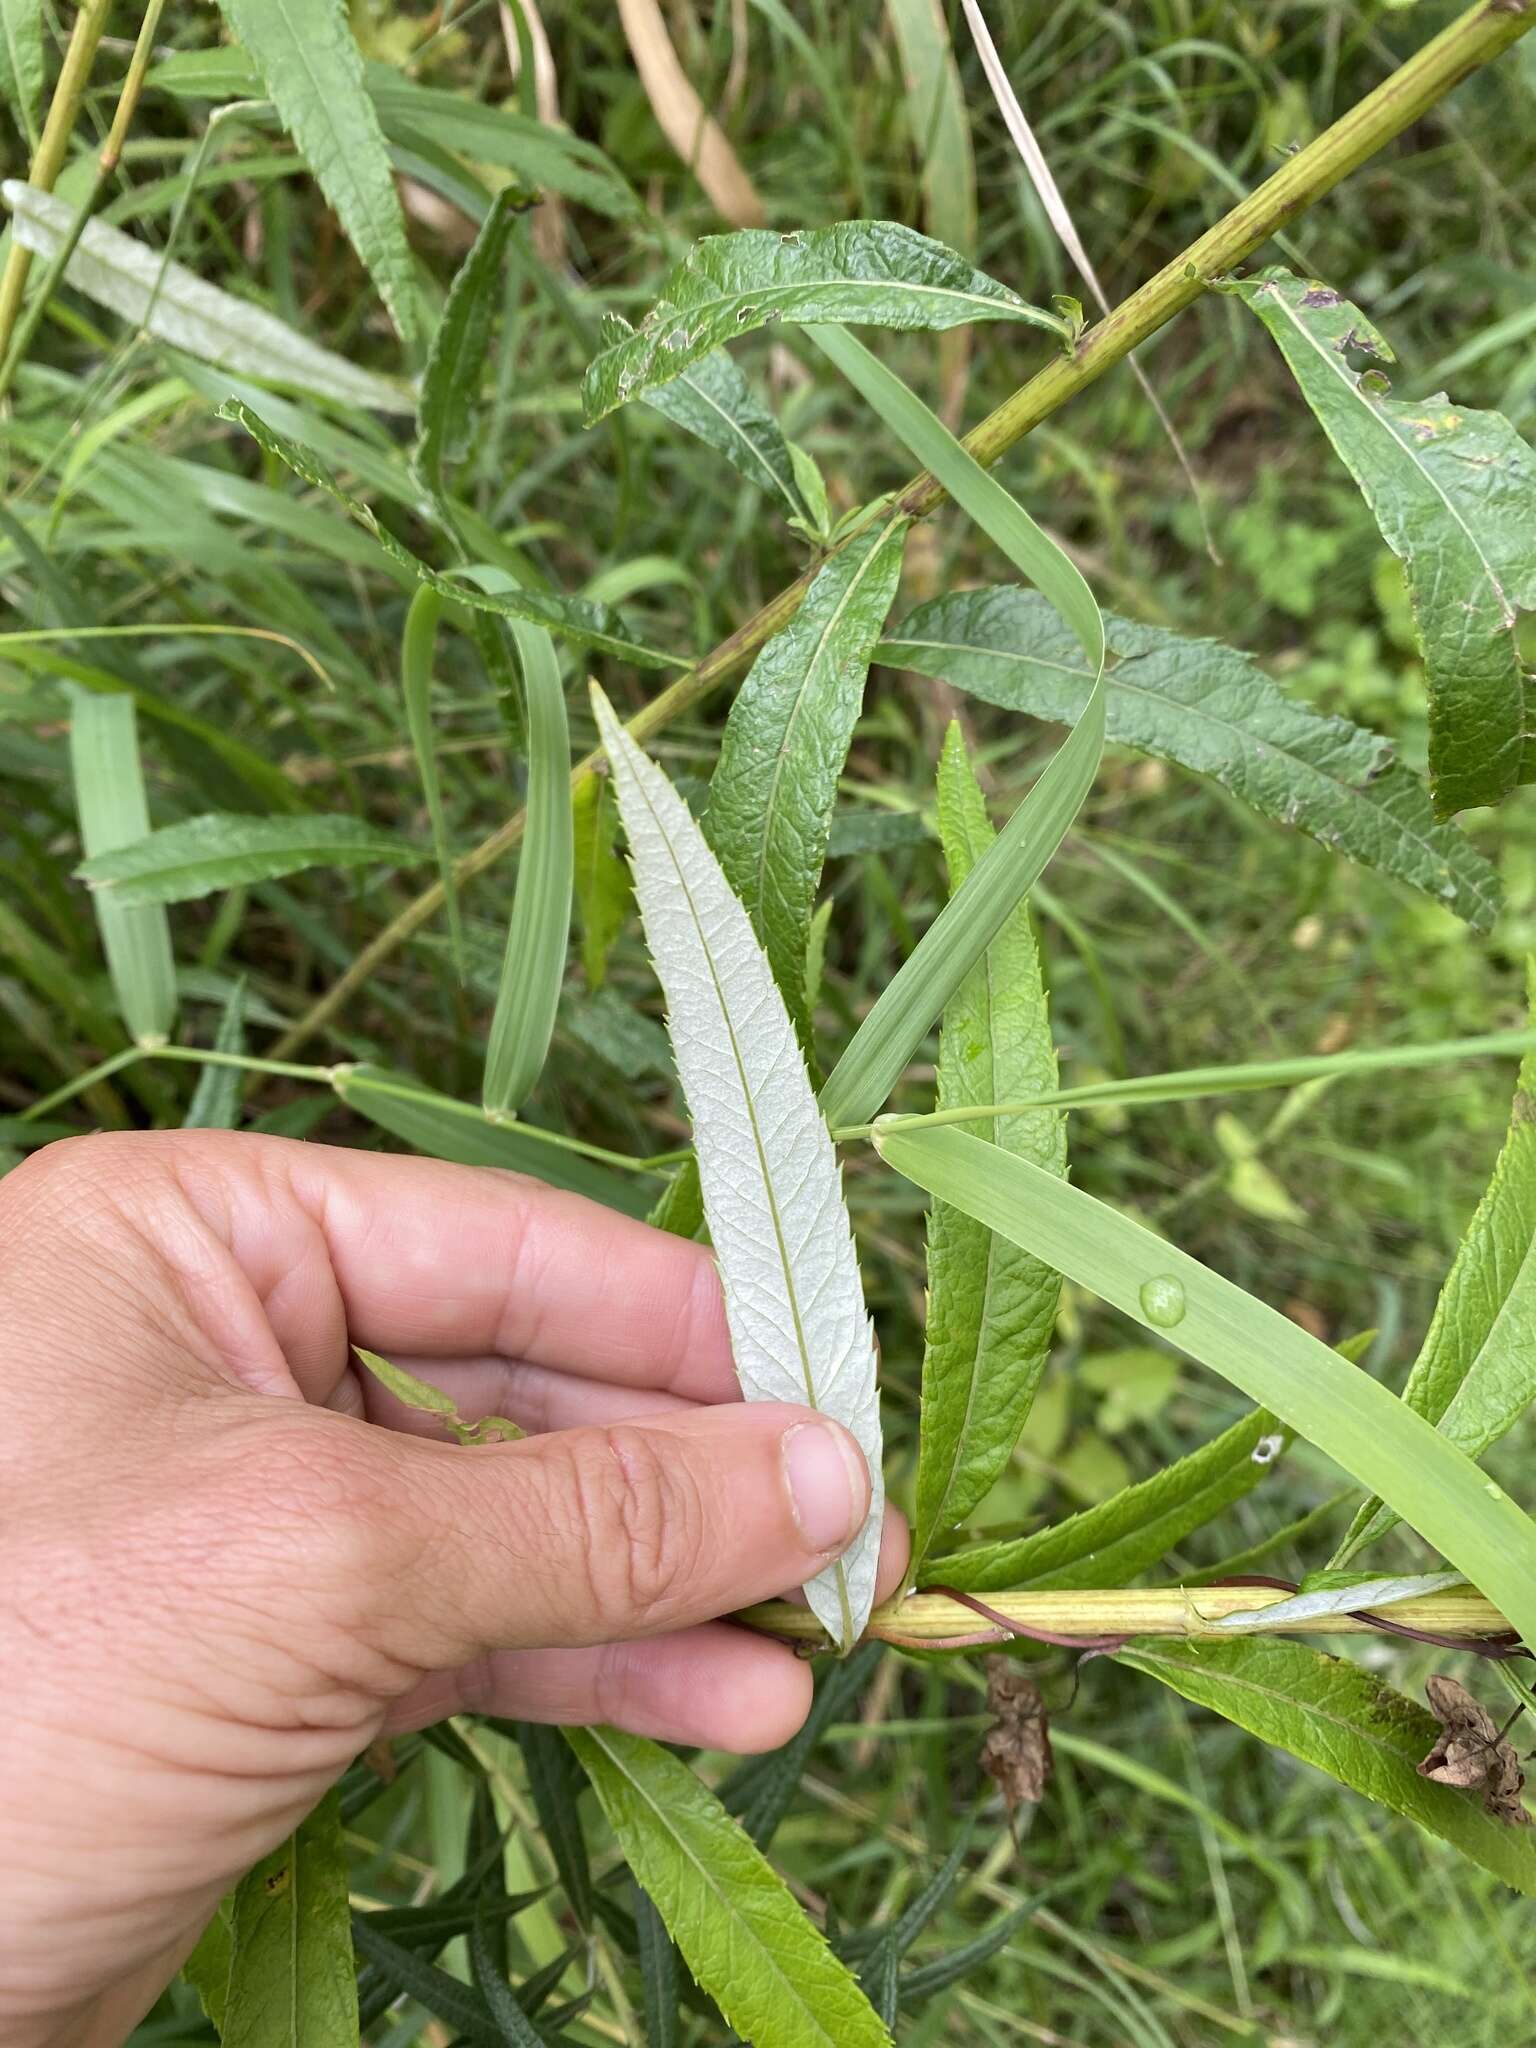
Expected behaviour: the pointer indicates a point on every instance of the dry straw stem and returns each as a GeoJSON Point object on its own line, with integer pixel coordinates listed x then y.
{"type": "Point", "coordinates": [1472, 40]}
{"type": "Point", "coordinates": [1186, 1611]}
{"type": "Point", "coordinates": [683, 118]}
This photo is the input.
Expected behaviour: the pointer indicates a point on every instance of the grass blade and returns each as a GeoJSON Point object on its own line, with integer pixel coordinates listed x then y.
{"type": "Point", "coordinates": [223, 848]}
{"type": "Point", "coordinates": [772, 1191]}
{"type": "Point", "coordinates": [738, 1926]}
{"type": "Point", "coordinates": [539, 929]}
{"type": "Point", "coordinates": [991, 1307]}
{"type": "Point", "coordinates": [215, 1104]}
{"type": "Point", "coordinates": [114, 813]}
{"type": "Point", "coordinates": [418, 645]}
{"type": "Point", "coordinates": [1336, 1406]}
{"type": "Point", "coordinates": [785, 744]}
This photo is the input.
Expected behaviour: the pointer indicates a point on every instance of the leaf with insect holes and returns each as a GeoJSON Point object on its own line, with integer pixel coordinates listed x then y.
{"type": "Point", "coordinates": [740, 1929]}
{"type": "Point", "coordinates": [1476, 1373]}
{"type": "Point", "coordinates": [1454, 493]}
{"type": "Point", "coordinates": [1345, 1721]}
{"type": "Point", "coordinates": [570, 618]}
{"type": "Point", "coordinates": [292, 1979]}
{"type": "Point", "coordinates": [785, 745]}
{"type": "Point", "coordinates": [309, 62]}
{"type": "Point", "coordinates": [772, 1192]}
{"type": "Point", "coordinates": [873, 273]}
{"type": "Point", "coordinates": [225, 848]}
{"type": "Point", "coordinates": [1211, 709]}
{"type": "Point", "coordinates": [1348, 1415]}
{"type": "Point", "coordinates": [175, 305]}
{"type": "Point", "coordinates": [1112, 1542]}
{"type": "Point", "coordinates": [991, 1307]}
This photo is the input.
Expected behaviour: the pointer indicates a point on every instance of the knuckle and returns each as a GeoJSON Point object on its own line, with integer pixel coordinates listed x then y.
{"type": "Point", "coordinates": [646, 1539]}
{"type": "Point", "coordinates": [297, 1494]}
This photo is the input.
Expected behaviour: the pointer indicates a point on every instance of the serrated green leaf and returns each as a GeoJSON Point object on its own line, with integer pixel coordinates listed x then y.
{"type": "Point", "coordinates": [312, 69]}
{"type": "Point", "coordinates": [114, 817]}
{"type": "Point", "coordinates": [445, 1997]}
{"type": "Point", "coordinates": [603, 888]}
{"type": "Point", "coordinates": [21, 62]}
{"type": "Point", "coordinates": [223, 848]}
{"type": "Point", "coordinates": [539, 928]}
{"type": "Point", "coordinates": [991, 1307]}
{"type": "Point", "coordinates": [1113, 1542]}
{"type": "Point", "coordinates": [1476, 1373]}
{"type": "Point", "coordinates": [1211, 709]}
{"type": "Point", "coordinates": [1348, 1415]}
{"type": "Point", "coordinates": [658, 1974]}
{"type": "Point", "coordinates": [292, 1981]}
{"type": "Point", "coordinates": [175, 305]}
{"type": "Point", "coordinates": [456, 361]}
{"type": "Point", "coordinates": [772, 1190]}
{"type": "Point", "coordinates": [785, 744]}
{"type": "Point", "coordinates": [571, 618]}
{"type": "Point", "coordinates": [1347, 1722]}
{"type": "Point", "coordinates": [738, 1926]}
{"type": "Point", "coordinates": [873, 273]}
{"type": "Point", "coordinates": [1454, 493]}
{"type": "Point", "coordinates": [215, 1104]}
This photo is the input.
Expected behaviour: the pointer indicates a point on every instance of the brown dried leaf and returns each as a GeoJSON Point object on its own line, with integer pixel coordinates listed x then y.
{"type": "Point", "coordinates": [1471, 1752]}
{"type": "Point", "coordinates": [682, 117]}
{"type": "Point", "coordinates": [1016, 1750]}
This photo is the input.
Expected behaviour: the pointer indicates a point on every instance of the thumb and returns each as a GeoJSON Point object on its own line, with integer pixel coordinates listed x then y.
{"type": "Point", "coordinates": [596, 1535]}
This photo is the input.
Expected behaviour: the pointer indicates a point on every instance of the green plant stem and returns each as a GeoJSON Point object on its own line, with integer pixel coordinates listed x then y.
{"type": "Point", "coordinates": [1193, 1083]}
{"type": "Point", "coordinates": [52, 148]}
{"type": "Point", "coordinates": [1186, 1611]}
{"type": "Point", "coordinates": [1472, 40]}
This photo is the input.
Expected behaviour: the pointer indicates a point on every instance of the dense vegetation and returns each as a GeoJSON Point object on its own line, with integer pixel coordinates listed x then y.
{"type": "Point", "coordinates": [172, 540]}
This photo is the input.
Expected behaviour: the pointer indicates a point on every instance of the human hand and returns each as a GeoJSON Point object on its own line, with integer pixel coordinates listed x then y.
{"type": "Point", "coordinates": [220, 1580]}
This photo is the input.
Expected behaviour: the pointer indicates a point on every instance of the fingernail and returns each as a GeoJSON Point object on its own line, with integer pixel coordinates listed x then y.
{"type": "Point", "coordinates": [827, 1490]}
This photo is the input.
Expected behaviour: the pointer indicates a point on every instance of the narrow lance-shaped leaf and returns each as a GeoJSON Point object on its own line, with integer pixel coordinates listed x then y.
{"type": "Point", "coordinates": [215, 1104]}
{"type": "Point", "coordinates": [21, 62]}
{"type": "Point", "coordinates": [312, 69]}
{"type": "Point", "coordinates": [539, 928]}
{"type": "Point", "coordinates": [909, 1003]}
{"type": "Point", "coordinates": [113, 814]}
{"type": "Point", "coordinates": [874, 273]}
{"type": "Point", "coordinates": [292, 1980]}
{"type": "Point", "coordinates": [571, 618]}
{"type": "Point", "coordinates": [740, 1929]}
{"type": "Point", "coordinates": [456, 362]}
{"type": "Point", "coordinates": [1476, 1373]}
{"type": "Point", "coordinates": [603, 888]}
{"type": "Point", "coordinates": [1347, 1414]}
{"type": "Point", "coordinates": [1345, 1721]}
{"type": "Point", "coordinates": [418, 645]}
{"type": "Point", "coordinates": [1111, 1543]}
{"type": "Point", "coordinates": [223, 848]}
{"type": "Point", "coordinates": [1454, 493]}
{"type": "Point", "coordinates": [785, 744]}
{"type": "Point", "coordinates": [991, 1307]}
{"type": "Point", "coordinates": [1212, 709]}
{"type": "Point", "coordinates": [177, 306]}
{"type": "Point", "coordinates": [772, 1192]}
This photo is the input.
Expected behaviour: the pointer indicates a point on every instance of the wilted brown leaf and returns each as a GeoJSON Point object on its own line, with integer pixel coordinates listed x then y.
{"type": "Point", "coordinates": [1016, 1751]}
{"type": "Point", "coordinates": [1471, 1752]}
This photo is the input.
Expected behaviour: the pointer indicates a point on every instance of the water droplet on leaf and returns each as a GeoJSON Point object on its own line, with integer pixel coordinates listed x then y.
{"type": "Point", "coordinates": [1162, 1301]}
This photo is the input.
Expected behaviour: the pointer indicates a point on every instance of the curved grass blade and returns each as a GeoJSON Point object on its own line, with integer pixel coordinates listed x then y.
{"type": "Point", "coordinates": [539, 929]}
{"type": "Point", "coordinates": [215, 1104]}
{"type": "Point", "coordinates": [1454, 493]}
{"type": "Point", "coordinates": [570, 618]}
{"type": "Point", "coordinates": [905, 1009]}
{"type": "Point", "coordinates": [1347, 1722]}
{"type": "Point", "coordinates": [786, 740]}
{"type": "Point", "coordinates": [1111, 1543]}
{"type": "Point", "coordinates": [1212, 709]}
{"type": "Point", "coordinates": [114, 814]}
{"type": "Point", "coordinates": [418, 645]}
{"type": "Point", "coordinates": [177, 306]}
{"type": "Point", "coordinates": [1476, 1373]}
{"type": "Point", "coordinates": [1336, 1406]}
{"type": "Point", "coordinates": [456, 361]}
{"type": "Point", "coordinates": [772, 1192]}
{"type": "Point", "coordinates": [224, 848]}
{"type": "Point", "coordinates": [292, 1980]}
{"type": "Point", "coordinates": [991, 1307]}
{"type": "Point", "coordinates": [312, 69]}
{"type": "Point", "coordinates": [872, 272]}
{"type": "Point", "coordinates": [739, 1928]}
